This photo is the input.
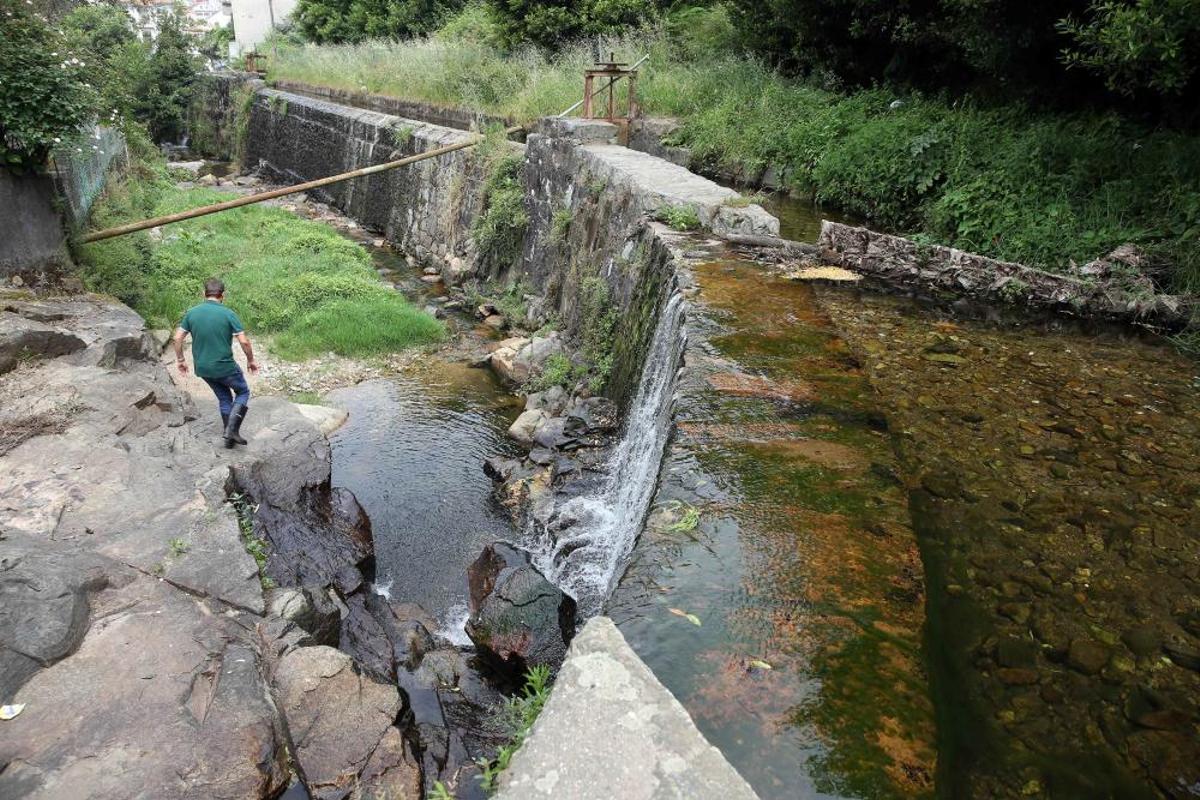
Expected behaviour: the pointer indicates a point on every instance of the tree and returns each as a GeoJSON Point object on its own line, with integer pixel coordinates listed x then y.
{"type": "Point", "coordinates": [163, 90]}
{"type": "Point", "coordinates": [45, 96]}
{"type": "Point", "coordinates": [550, 23]}
{"type": "Point", "coordinates": [324, 21]}
{"type": "Point", "coordinates": [118, 59]}
{"type": "Point", "coordinates": [1138, 45]}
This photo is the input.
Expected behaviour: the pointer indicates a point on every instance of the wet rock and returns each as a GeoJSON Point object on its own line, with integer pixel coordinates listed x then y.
{"type": "Point", "coordinates": [485, 570]}
{"type": "Point", "coordinates": [1182, 652]}
{"type": "Point", "coordinates": [485, 310]}
{"type": "Point", "coordinates": [1014, 652]}
{"type": "Point", "coordinates": [499, 468]}
{"type": "Point", "coordinates": [551, 434]}
{"type": "Point", "coordinates": [524, 427]}
{"type": "Point", "coordinates": [594, 415]}
{"type": "Point", "coordinates": [338, 721]}
{"type": "Point", "coordinates": [496, 321]}
{"type": "Point", "coordinates": [522, 622]}
{"type": "Point", "coordinates": [1017, 676]}
{"type": "Point", "coordinates": [405, 627]}
{"type": "Point", "coordinates": [1144, 640]}
{"type": "Point", "coordinates": [435, 311]}
{"type": "Point", "coordinates": [1087, 656]}
{"type": "Point", "coordinates": [940, 484]}
{"type": "Point", "coordinates": [391, 772]}
{"type": "Point", "coordinates": [365, 638]}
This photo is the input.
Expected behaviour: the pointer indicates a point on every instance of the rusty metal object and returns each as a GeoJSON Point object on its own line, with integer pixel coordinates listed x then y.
{"type": "Point", "coordinates": [613, 71]}
{"type": "Point", "coordinates": [134, 227]}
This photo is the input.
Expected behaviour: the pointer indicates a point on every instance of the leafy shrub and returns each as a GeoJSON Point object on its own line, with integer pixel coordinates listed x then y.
{"type": "Point", "coordinates": [45, 97]}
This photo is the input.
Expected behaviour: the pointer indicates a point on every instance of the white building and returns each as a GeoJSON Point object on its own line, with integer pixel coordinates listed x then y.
{"type": "Point", "coordinates": [254, 19]}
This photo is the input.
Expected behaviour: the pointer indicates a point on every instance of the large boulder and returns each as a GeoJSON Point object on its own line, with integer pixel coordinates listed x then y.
{"type": "Point", "coordinates": [311, 610]}
{"type": "Point", "coordinates": [505, 364]}
{"type": "Point", "coordinates": [523, 620]}
{"type": "Point", "coordinates": [24, 339]}
{"type": "Point", "coordinates": [532, 357]}
{"type": "Point", "coordinates": [340, 724]}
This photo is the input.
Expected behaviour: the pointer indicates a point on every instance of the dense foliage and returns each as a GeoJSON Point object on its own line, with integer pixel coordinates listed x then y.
{"type": "Point", "coordinates": [151, 83]}
{"type": "Point", "coordinates": [45, 96]}
{"type": "Point", "coordinates": [1003, 180]}
{"type": "Point", "coordinates": [354, 21]}
{"type": "Point", "coordinates": [1060, 50]}
{"type": "Point", "coordinates": [551, 23]}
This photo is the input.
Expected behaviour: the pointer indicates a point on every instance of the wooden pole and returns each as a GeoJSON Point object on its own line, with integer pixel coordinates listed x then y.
{"type": "Point", "coordinates": [134, 227]}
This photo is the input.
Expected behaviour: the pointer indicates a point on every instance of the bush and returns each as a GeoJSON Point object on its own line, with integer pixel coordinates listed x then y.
{"type": "Point", "coordinates": [336, 21]}
{"type": "Point", "coordinates": [45, 97]}
{"type": "Point", "coordinates": [499, 231]}
{"type": "Point", "coordinates": [551, 23]}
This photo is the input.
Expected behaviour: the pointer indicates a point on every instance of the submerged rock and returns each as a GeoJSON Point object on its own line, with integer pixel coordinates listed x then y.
{"type": "Point", "coordinates": [519, 619]}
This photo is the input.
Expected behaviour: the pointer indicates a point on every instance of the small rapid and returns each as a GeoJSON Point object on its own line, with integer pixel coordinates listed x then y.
{"type": "Point", "coordinates": [583, 542]}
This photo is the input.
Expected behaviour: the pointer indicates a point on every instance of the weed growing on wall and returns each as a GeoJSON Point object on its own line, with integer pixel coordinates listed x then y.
{"type": "Point", "coordinates": [499, 231]}
{"type": "Point", "coordinates": [681, 218]}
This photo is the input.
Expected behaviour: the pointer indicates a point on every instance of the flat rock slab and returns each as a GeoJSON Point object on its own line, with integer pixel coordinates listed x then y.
{"type": "Point", "coordinates": [186, 717]}
{"type": "Point", "coordinates": [610, 729]}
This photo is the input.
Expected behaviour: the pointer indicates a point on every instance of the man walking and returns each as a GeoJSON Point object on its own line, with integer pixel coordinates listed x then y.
{"type": "Point", "coordinates": [213, 328]}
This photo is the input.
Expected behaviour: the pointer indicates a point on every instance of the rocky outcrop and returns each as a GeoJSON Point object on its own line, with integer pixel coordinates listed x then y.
{"type": "Point", "coordinates": [116, 530]}
{"type": "Point", "coordinates": [518, 618]}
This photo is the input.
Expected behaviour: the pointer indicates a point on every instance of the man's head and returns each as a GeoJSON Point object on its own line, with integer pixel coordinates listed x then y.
{"type": "Point", "coordinates": [214, 289]}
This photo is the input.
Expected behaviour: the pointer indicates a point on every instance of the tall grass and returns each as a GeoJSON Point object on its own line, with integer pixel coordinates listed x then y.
{"type": "Point", "coordinates": [312, 289]}
{"type": "Point", "coordinates": [1043, 189]}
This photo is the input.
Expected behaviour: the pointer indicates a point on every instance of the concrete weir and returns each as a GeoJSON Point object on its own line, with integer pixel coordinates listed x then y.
{"type": "Point", "coordinates": [610, 729]}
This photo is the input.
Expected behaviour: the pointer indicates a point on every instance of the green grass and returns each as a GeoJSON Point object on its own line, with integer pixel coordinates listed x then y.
{"type": "Point", "coordinates": [1008, 181]}
{"type": "Point", "coordinates": [518, 715]}
{"type": "Point", "coordinates": [310, 289]}
{"type": "Point", "coordinates": [681, 218]}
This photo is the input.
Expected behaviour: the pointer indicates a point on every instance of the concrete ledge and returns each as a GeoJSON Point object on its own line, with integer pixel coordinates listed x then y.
{"type": "Point", "coordinates": [610, 730]}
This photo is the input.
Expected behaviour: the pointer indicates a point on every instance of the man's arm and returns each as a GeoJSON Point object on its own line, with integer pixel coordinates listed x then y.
{"type": "Point", "coordinates": [180, 335]}
{"type": "Point", "coordinates": [244, 341]}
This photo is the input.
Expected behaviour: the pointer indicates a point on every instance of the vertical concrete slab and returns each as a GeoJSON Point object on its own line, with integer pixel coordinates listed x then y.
{"type": "Point", "coordinates": [611, 730]}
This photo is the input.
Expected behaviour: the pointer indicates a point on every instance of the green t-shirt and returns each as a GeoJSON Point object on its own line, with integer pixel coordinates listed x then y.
{"type": "Point", "coordinates": [212, 327]}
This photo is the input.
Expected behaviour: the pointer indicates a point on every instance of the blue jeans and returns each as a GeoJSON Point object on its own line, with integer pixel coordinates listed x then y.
{"type": "Point", "coordinates": [228, 389]}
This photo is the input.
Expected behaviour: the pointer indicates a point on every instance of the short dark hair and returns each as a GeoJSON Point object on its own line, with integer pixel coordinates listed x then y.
{"type": "Point", "coordinates": [214, 287]}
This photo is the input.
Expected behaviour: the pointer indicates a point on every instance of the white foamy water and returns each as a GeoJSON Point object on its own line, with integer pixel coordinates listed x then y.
{"type": "Point", "coordinates": [454, 626]}
{"type": "Point", "coordinates": [585, 542]}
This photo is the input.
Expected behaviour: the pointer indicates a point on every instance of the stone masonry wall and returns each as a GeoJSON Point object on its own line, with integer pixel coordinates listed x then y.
{"type": "Point", "coordinates": [427, 209]}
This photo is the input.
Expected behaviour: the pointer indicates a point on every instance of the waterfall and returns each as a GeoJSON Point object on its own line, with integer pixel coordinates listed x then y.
{"type": "Point", "coordinates": [584, 542]}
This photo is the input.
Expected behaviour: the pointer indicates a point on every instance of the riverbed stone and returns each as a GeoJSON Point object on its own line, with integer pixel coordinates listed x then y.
{"type": "Point", "coordinates": [1087, 655]}
{"type": "Point", "coordinates": [1143, 640]}
{"type": "Point", "coordinates": [337, 720]}
{"type": "Point", "coordinates": [610, 729]}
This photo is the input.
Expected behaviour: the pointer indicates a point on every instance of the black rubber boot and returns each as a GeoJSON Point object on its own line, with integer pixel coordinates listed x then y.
{"type": "Point", "coordinates": [234, 424]}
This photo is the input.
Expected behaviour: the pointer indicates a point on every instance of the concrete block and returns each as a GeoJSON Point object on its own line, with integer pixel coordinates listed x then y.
{"type": "Point", "coordinates": [610, 729]}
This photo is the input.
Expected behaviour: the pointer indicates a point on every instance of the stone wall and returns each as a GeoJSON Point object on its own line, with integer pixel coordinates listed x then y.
{"type": "Point", "coordinates": [462, 118]}
{"type": "Point", "coordinates": [1111, 287]}
{"type": "Point", "coordinates": [37, 210]}
{"type": "Point", "coordinates": [214, 129]}
{"type": "Point", "coordinates": [587, 199]}
{"type": "Point", "coordinates": [610, 729]}
{"type": "Point", "coordinates": [31, 229]}
{"type": "Point", "coordinates": [427, 209]}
